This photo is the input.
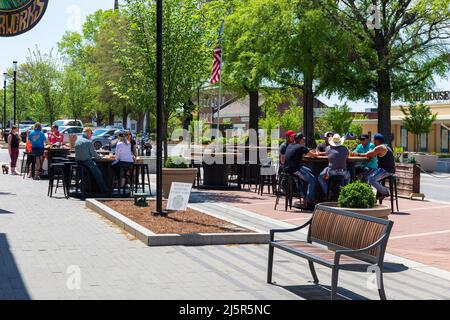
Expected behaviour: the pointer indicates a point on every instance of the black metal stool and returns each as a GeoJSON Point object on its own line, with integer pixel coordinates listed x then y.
{"type": "Point", "coordinates": [198, 165]}
{"type": "Point", "coordinates": [56, 170]}
{"type": "Point", "coordinates": [335, 182]}
{"type": "Point", "coordinates": [285, 187]}
{"type": "Point", "coordinates": [393, 195]}
{"type": "Point", "coordinates": [267, 177]}
{"type": "Point", "coordinates": [126, 174]}
{"type": "Point", "coordinates": [77, 175]}
{"type": "Point", "coordinates": [141, 169]}
{"type": "Point", "coordinates": [29, 159]}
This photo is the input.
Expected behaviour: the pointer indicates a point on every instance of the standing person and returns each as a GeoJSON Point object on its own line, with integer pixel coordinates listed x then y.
{"type": "Point", "coordinates": [294, 164]}
{"type": "Point", "coordinates": [337, 162]}
{"type": "Point", "coordinates": [364, 168]}
{"type": "Point", "coordinates": [132, 142]}
{"type": "Point", "coordinates": [323, 146]}
{"type": "Point", "coordinates": [290, 134]}
{"type": "Point", "coordinates": [13, 148]}
{"type": "Point", "coordinates": [37, 139]}
{"type": "Point", "coordinates": [84, 153]}
{"type": "Point", "coordinates": [386, 165]}
{"type": "Point", "coordinates": [55, 136]}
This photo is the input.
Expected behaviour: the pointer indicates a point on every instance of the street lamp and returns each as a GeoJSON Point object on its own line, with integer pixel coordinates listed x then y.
{"type": "Point", "coordinates": [159, 106]}
{"type": "Point", "coordinates": [4, 101]}
{"type": "Point", "coordinates": [15, 82]}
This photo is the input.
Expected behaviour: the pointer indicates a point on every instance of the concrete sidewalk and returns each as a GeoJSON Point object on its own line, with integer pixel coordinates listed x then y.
{"type": "Point", "coordinates": [50, 246]}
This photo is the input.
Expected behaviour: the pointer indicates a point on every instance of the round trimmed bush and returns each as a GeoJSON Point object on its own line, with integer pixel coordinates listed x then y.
{"type": "Point", "coordinates": [357, 195]}
{"type": "Point", "coordinates": [177, 162]}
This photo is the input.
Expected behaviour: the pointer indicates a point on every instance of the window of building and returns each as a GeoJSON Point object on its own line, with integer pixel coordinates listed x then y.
{"type": "Point", "coordinates": [404, 138]}
{"type": "Point", "coordinates": [423, 138]}
{"type": "Point", "coordinates": [444, 140]}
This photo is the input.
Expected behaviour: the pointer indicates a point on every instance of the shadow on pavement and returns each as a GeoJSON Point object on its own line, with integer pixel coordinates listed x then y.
{"type": "Point", "coordinates": [7, 194]}
{"type": "Point", "coordinates": [388, 267]}
{"type": "Point", "coordinates": [5, 212]}
{"type": "Point", "coordinates": [11, 283]}
{"type": "Point", "coordinates": [321, 292]}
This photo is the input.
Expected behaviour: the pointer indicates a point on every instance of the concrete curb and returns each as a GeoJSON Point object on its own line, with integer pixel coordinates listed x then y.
{"type": "Point", "coordinates": [199, 239]}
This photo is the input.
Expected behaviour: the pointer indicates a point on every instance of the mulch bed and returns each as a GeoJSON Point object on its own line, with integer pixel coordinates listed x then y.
{"type": "Point", "coordinates": [178, 222]}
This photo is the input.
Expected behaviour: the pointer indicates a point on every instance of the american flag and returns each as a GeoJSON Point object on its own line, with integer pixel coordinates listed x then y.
{"type": "Point", "coordinates": [217, 66]}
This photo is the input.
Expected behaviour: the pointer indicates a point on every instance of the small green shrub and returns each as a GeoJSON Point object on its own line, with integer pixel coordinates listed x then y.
{"type": "Point", "coordinates": [177, 162]}
{"type": "Point", "coordinates": [357, 195]}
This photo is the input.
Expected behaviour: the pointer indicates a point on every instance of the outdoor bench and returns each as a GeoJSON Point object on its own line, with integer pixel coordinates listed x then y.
{"type": "Point", "coordinates": [336, 239]}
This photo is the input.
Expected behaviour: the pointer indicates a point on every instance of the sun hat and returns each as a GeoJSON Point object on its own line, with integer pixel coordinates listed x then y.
{"type": "Point", "coordinates": [290, 133]}
{"type": "Point", "coordinates": [336, 140]}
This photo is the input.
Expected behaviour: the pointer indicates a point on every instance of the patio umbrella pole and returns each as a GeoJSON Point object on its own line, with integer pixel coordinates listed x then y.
{"type": "Point", "coordinates": [159, 106]}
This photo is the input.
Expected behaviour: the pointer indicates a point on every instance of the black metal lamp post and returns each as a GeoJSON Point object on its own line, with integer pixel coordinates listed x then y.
{"type": "Point", "coordinates": [159, 106]}
{"type": "Point", "coordinates": [4, 101]}
{"type": "Point", "coordinates": [15, 91]}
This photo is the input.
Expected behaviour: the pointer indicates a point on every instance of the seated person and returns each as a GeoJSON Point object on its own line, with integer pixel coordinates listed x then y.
{"type": "Point", "coordinates": [289, 139]}
{"type": "Point", "coordinates": [323, 146]}
{"type": "Point", "coordinates": [386, 165]}
{"type": "Point", "coordinates": [124, 156]}
{"type": "Point", "coordinates": [294, 164]}
{"type": "Point", "coordinates": [55, 136]}
{"type": "Point", "coordinates": [337, 162]}
{"type": "Point", "coordinates": [364, 168]}
{"type": "Point", "coordinates": [84, 153]}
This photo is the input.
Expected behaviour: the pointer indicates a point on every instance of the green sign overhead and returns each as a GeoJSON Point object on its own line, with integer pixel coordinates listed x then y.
{"type": "Point", "coordinates": [19, 16]}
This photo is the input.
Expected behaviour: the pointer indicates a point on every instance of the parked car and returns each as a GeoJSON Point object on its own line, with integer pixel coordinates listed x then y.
{"type": "Point", "coordinates": [71, 130]}
{"type": "Point", "coordinates": [23, 129]}
{"type": "Point", "coordinates": [68, 123]}
{"type": "Point", "coordinates": [101, 137]}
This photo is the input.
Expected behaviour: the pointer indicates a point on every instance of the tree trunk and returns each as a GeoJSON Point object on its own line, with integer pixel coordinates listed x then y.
{"type": "Point", "coordinates": [110, 116]}
{"type": "Point", "coordinates": [384, 106]}
{"type": "Point", "coordinates": [254, 112]}
{"type": "Point", "coordinates": [308, 112]}
{"type": "Point", "coordinates": [124, 117]}
{"type": "Point", "coordinates": [140, 122]}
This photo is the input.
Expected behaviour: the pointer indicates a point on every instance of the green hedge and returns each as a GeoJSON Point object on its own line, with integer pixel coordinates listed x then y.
{"type": "Point", "coordinates": [357, 195]}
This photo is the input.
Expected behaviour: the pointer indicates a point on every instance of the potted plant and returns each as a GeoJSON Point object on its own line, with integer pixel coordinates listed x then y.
{"type": "Point", "coordinates": [358, 197]}
{"type": "Point", "coordinates": [176, 169]}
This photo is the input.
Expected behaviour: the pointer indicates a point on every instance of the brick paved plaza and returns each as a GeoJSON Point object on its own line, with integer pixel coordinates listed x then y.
{"type": "Point", "coordinates": [44, 242]}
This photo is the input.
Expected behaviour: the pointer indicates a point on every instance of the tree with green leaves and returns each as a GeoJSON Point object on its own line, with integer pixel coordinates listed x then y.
{"type": "Point", "coordinates": [397, 48]}
{"type": "Point", "coordinates": [418, 120]}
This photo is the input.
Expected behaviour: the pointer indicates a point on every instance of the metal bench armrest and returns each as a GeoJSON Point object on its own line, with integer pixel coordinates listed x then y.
{"type": "Point", "coordinates": [350, 251]}
{"type": "Point", "coordinates": [273, 231]}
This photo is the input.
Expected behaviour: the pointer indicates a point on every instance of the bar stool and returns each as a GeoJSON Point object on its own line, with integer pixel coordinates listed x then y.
{"type": "Point", "coordinates": [267, 177]}
{"type": "Point", "coordinates": [142, 170]}
{"type": "Point", "coordinates": [335, 182]}
{"type": "Point", "coordinates": [198, 165]}
{"type": "Point", "coordinates": [56, 170]}
{"type": "Point", "coordinates": [127, 175]}
{"type": "Point", "coordinates": [393, 195]}
{"type": "Point", "coordinates": [26, 164]}
{"type": "Point", "coordinates": [285, 187]}
{"type": "Point", "coordinates": [77, 177]}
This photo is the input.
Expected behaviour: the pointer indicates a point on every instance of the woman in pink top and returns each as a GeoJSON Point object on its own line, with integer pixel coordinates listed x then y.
{"type": "Point", "coordinates": [55, 136]}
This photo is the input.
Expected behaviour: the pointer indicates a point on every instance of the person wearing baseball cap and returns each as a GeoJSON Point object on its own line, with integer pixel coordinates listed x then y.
{"type": "Point", "coordinates": [386, 165]}
{"type": "Point", "coordinates": [323, 146]}
{"type": "Point", "coordinates": [295, 164]}
{"type": "Point", "coordinates": [289, 139]}
{"type": "Point", "coordinates": [364, 168]}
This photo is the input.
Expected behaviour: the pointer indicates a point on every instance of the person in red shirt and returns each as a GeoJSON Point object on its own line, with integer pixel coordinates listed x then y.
{"type": "Point", "coordinates": [55, 136]}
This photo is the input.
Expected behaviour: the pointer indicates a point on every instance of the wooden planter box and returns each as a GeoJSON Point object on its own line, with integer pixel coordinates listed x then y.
{"type": "Point", "coordinates": [408, 179]}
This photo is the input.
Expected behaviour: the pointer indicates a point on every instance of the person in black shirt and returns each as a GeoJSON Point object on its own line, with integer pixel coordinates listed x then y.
{"type": "Point", "coordinates": [294, 164]}
{"type": "Point", "coordinates": [289, 139]}
{"type": "Point", "coordinates": [323, 146]}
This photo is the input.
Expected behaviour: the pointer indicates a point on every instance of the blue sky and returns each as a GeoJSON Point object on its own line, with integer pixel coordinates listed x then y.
{"type": "Point", "coordinates": [65, 15]}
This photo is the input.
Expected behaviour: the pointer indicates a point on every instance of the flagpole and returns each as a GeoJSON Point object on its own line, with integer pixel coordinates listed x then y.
{"type": "Point", "coordinates": [220, 77]}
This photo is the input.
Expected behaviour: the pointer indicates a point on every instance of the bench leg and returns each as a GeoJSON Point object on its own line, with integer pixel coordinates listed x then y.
{"type": "Point", "coordinates": [381, 287]}
{"type": "Point", "coordinates": [334, 283]}
{"type": "Point", "coordinates": [270, 264]}
{"type": "Point", "coordinates": [313, 272]}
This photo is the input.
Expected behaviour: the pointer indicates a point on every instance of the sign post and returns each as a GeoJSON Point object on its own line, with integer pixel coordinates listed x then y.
{"type": "Point", "coordinates": [20, 16]}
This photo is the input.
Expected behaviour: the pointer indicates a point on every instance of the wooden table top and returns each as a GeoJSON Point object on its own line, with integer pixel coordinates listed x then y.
{"type": "Point", "coordinates": [325, 158]}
